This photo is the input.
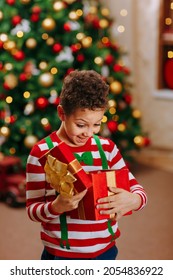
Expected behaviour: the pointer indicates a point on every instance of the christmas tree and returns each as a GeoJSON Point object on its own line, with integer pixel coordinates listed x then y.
{"type": "Point", "coordinates": [40, 43]}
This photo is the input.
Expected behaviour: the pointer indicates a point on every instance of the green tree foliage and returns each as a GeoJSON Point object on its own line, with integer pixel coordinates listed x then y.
{"type": "Point", "coordinates": [40, 43]}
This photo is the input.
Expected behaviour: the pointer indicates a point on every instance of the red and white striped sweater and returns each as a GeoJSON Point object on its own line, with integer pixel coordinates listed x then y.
{"type": "Point", "coordinates": [87, 238]}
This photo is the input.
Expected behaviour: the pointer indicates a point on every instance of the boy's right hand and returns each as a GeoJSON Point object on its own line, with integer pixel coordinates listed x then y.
{"type": "Point", "coordinates": [64, 203]}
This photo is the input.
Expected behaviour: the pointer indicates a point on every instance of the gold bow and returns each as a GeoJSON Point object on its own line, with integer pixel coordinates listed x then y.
{"type": "Point", "coordinates": [59, 177]}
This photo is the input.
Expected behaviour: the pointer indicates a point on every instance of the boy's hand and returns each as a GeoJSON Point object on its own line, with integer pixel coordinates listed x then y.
{"type": "Point", "coordinates": [119, 202]}
{"type": "Point", "coordinates": [64, 203]}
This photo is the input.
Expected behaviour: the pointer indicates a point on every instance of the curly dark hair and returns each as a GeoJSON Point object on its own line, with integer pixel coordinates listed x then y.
{"type": "Point", "coordinates": [83, 89]}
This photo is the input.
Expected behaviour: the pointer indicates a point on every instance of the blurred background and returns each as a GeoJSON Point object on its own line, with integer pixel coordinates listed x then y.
{"type": "Point", "coordinates": [130, 43]}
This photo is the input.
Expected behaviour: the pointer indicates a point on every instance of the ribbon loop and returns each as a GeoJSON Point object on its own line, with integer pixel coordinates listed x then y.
{"type": "Point", "coordinates": [86, 157]}
{"type": "Point", "coordinates": [59, 177]}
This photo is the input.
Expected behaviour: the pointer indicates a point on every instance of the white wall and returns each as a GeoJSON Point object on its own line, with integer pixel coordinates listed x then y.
{"type": "Point", "coordinates": [141, 41]}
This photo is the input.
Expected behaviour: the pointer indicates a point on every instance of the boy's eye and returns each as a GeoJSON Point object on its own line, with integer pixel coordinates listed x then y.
{"type": "Point", "coordinates": [97, 124]}
{"type": "Point", "coordinates": [83, 125]}
{"type": "Point", "coordinates": [80, 125]}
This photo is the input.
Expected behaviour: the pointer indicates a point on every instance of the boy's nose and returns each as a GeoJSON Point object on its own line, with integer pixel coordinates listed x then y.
{"type": "Point", "coordinates": [89, 132]}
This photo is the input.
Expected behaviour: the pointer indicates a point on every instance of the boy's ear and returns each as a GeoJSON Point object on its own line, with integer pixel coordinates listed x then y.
{"type": "Point", "coordinates": [61, 113]}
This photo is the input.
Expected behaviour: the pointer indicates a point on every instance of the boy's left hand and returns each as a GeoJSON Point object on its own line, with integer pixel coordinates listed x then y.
{"type": "Point", "coordinates": [119, 202]}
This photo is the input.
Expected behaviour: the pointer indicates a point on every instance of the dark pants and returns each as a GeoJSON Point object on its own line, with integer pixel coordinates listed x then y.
{"type": "Point", "coordinates": [108, 255]}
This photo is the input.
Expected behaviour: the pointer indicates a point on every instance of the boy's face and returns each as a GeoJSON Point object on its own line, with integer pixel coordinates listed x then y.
{"type": "Point", "coordinates": [77, 128]}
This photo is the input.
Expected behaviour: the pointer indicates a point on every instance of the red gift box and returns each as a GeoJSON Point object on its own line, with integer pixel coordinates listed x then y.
{"type": "Point", "coordinates": [87, 208]}
{"type": "Point", "coordinates": [101, 181]}
{"type": "Point", "coordinates": [63, 154]}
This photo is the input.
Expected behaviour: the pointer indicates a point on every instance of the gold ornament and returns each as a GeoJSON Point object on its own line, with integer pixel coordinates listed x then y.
{"type": "Point", "coordinates": [48, 24]}
{"type": "Point", "coordinates": [139, 141]}
{"type": "Point", "coordinates": [9, 46]}
{"type": "Point", "coordinates": [8, 66]}
{"type": "Point", "coordinates": [73, 15]}
{"type": "Point", "coordinates": [30, 141]}
{"type": "Point", "coordinates": [121, 127]}
{"type": "Point", "coordinates": [11, 80]}
{"type": "Point", "coordinates": [3, 37]}
{"type": "Point", "coordinates": [58, 6]}
{"type": "Point", "coordinates": [80, 36]}
{"type": "Point", "coordinates": [136, 114]}
{"type": "Point", "coordinates": [50, 41]}
{"type": "Point", "coordinates": [25, 2]}
{"type": "Point", "coordinates": [4, 131]}
{"type": "Point", "coordinates": [116, 87]}
{"type": "Point", "coordinates": [43, 65]}
{"type": "Point", "coordinates": [105, 12]}
{"type": "Point", "coordinates": [1, 15]}
{"type": "Point", "coordinates": [86, 42]}
{"type": "Point", "coordinates": [98, 60]}
{"type": "Point", "coordinates": [103, 23]}
{"type": "Point", "coordinates": [31, 43]}
{"type": "Point", "coordinates": [46, 79]}
{"type": "Point", "coordinates": [93, 10]}
{"type": "Point", "coordinates": [112, 103]}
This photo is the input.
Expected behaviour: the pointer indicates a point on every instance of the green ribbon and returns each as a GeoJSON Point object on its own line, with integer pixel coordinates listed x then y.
{"type": "Point", "coordinates": [104, 166]}
{"type": "Point", "coordinates": [111, 230]}
{"type": "Point", "coordinates": [64, 231]}
{"type": "Point", "coordinates": [102, 153]}
{"type": "Point", "coordinates": [86, 157]}
{"type": "Point", "coordinates": [49, 142]}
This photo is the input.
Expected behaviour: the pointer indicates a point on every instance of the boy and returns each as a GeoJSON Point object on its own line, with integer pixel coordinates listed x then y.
{"type": "Point", "coordinates": [83, 102]}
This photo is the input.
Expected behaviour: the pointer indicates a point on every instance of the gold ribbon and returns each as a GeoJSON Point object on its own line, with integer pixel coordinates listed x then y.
{"type": "Point", "coordinates": [59, 177]}
{"type": "Point", "coordinates": [110, 178]}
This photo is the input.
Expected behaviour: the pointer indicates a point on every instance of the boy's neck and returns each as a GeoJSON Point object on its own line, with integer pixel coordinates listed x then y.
{"type": "Point", "coordinates": [64, 137]}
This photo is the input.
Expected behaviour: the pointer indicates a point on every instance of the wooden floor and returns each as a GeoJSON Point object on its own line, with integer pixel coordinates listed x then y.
{"type": "Point", "coordinates": [145, 235]}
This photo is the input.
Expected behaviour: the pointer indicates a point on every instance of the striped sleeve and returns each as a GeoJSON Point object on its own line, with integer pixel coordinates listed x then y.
{"type": "Point", "coordinates": [116, 161]}
{"type": "Point", "coordinates": [38, 193]}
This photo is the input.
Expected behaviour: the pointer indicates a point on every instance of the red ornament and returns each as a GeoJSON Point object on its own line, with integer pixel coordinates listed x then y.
{"type": "Point", "coordinates": [109, 59]}
{"type": "Point", "coordinates": [107, 43]}
{"type": "Point", "coordinates": [56, 101]}
{"type": "Point", "coordinates": [74, 48]}
{"type": "Point", "coordinates": [67, 27]}
{"type": "Point", "coordinates": [35, 17]}
{"type": "Point", "coordinates": [1, 45]}
{"type": "Point", "coordinates": [16, 20]}
{"type": "Point", "coordinates": [93, 20]}
{"type": "Point", "coordinates": [47, 127]}
{"type": "Point", "coordinates": [41, 102]}
{"type": "Point", "coordinates": [117, 68]}
{"type": "Point", "coordinates": [19, 55]}
{"type": "Point", "coordinates": [57, 47]}
{"type": "Point", "coordinates": [147, 141]}
{"type": "Point", "coordinates": [1, 66]}
{"type": "Point", "coordinates": [127, 98]}
{"type": "Point", "coordinates": [10, 2]}
{"type": "Point", "coordinates": [69, 70]}
{"type": "Point", "coordinates": [96, 23]}
{"type": "Point", "coordinates": [2, 115]}
{"type": "Point", "coordinates": [12, 119]}
{"type": "Point", "coordinates": [80, 58]}
{"type": "Point", "coordinates": [168, 73]}
{"type": "Point", "coordinates": [6, 86]}
{"type": "Point", "coordinates": [112, 125]}
{"type": "Point", "coordinates": [23, 77]}
{"type": "Point", "coordinates": [36, 9]}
